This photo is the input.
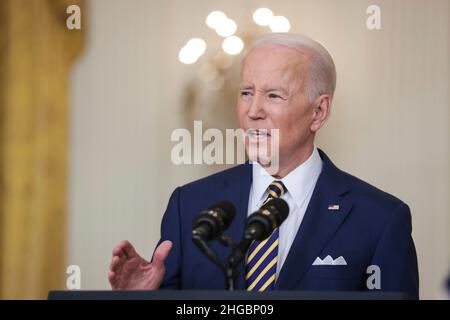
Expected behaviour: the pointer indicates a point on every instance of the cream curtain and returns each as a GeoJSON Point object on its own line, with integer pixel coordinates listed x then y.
{"type": "Point", "coordinates": [36, 54]}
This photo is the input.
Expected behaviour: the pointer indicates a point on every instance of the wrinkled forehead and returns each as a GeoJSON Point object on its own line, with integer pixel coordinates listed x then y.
{"type": "Point", "coordinates": [275, 62]}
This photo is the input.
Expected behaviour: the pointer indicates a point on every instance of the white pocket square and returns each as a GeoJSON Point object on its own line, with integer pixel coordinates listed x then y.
{"type": "Point", "coordinates": [329, 261]}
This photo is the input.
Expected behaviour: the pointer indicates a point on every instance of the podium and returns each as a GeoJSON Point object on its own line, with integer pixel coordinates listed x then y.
{"type": "Point", "coordinates": [216, 295]}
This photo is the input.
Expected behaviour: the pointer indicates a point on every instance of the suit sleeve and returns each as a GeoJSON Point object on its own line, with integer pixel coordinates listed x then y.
{"type": "Point", "coordinates": [395, 254]}
{"type": "Point", "coordinates": [171, 230]}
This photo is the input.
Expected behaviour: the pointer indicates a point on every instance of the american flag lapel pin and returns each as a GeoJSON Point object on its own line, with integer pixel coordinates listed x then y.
{"type": "Point", "coordinates": [334, 207]}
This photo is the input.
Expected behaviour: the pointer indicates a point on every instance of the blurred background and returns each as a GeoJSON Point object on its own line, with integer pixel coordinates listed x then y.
{"type": "Point", "coordinates": [86, 117]}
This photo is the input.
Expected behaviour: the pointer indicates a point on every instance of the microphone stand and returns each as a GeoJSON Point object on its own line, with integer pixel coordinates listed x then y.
{"type": "Point", "coordinates": [234, 260]}
{"type": "Point", "coordinates": [238, 254]}
{"type": "Point", "coordinates": [236, 257]}
{"type": "Point", "coordinates": [208, 251]}
{"type": "Point", "coordinates": [231, 272]}
{"type": "Point", "coordinates": [230, 269]}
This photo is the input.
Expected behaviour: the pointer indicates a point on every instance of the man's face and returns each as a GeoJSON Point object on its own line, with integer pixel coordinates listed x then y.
{"type": "Point", "coordinates": [272, 96]}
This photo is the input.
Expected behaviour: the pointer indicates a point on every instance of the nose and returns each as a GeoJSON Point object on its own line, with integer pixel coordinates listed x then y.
{"type": "Point", "coordinates": [256, 110]}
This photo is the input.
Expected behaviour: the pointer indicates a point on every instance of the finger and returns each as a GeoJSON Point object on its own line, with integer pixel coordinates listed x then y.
{"type": "Point", "coordinates": [127, 249]}
{"type": "Point", "coordinates": [161, 253]}
{"type": "Point", "coordinates": [116, 264]}
{"type": "Point", "coordinates": [118, 251]}
{"type": "Point", "coordinates": [113, 280]}
{"type": "Point", "coordinates": [111, 275]}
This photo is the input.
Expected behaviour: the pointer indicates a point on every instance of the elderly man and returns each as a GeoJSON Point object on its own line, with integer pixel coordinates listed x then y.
{"type": "Point", "coordinates": [340, 229]}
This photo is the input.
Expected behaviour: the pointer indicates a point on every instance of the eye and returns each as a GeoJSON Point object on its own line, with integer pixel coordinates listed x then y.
{"type": "Point", "coordinates": [245, 93]}
{"type": "Point", "coordinates": [274, 96]}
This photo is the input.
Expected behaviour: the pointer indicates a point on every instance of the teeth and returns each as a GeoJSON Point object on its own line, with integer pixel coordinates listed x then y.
{"type": "Point", "coordinates": [257, 133]}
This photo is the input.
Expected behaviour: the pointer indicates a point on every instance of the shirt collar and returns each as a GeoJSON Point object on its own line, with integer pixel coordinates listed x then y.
{"type": "Point", "coordinates": [298, 182]}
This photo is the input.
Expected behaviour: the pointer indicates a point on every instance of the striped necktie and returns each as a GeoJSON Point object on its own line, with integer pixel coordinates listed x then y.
{"type": "Point", "coordinates": [262, 256]}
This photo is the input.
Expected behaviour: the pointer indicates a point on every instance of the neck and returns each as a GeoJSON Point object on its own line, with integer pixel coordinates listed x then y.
{"type": "Point", "coordinates": [290, 163]}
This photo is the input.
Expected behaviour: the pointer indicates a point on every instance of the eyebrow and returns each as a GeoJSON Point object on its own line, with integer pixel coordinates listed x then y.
{"type": "Point", "coordinates": [245, 87]}
{"type": "Point", "coordinates": [248, 87]}
{"type": "Point", "coordinates": [283, 91]}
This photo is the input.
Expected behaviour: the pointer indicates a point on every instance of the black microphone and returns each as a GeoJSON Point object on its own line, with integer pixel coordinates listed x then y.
{"type": "Point", "coordinates": [263, 222]}
{"type": "Point", "coordinates": [260, 225]}
{"type": "Point", "coordinates": [210, 223]}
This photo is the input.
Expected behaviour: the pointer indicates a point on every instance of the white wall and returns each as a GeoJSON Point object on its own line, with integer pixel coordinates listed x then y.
{"type": "Point", "coordinates": [389, 126]}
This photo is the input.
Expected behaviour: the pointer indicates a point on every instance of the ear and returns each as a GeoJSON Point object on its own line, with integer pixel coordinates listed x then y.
{"type": "Point", "coordinates": [322, 109]}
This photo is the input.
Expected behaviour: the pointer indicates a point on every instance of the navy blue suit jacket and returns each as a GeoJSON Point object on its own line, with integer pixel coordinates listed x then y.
{"type": "Point", "coordinates": [371, 227]}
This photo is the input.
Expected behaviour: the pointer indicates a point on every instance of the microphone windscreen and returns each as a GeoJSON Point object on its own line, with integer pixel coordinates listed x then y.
{"type": "Point", "coordinates": [228, 208]}
{"type": "Point", "coordinates": [280, 205]}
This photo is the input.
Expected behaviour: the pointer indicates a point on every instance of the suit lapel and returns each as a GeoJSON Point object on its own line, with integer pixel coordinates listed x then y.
{"type": "Point", "coordinates": [318, 226]}
{"type": "Point", "coordinates": [238, 191]}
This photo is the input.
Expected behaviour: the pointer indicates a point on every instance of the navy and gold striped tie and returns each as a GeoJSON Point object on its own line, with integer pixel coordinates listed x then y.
{"type": "Point", "coordinates": [262, 256]}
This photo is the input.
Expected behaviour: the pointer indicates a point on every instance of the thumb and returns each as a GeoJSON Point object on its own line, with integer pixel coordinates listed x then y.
{"type": "Point", "coordinates": [161, 253]}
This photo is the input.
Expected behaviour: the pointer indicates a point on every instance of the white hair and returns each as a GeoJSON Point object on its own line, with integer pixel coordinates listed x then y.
{"type": "Point", "coordinates": [321, 74]}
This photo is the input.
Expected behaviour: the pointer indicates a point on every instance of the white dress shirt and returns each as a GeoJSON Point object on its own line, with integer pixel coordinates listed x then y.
{"type": "Point", "coordinates": [300, 184]}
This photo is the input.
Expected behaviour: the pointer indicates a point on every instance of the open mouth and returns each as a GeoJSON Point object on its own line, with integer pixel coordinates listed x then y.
{"type": "Point", "coordinates": [258, 133]}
